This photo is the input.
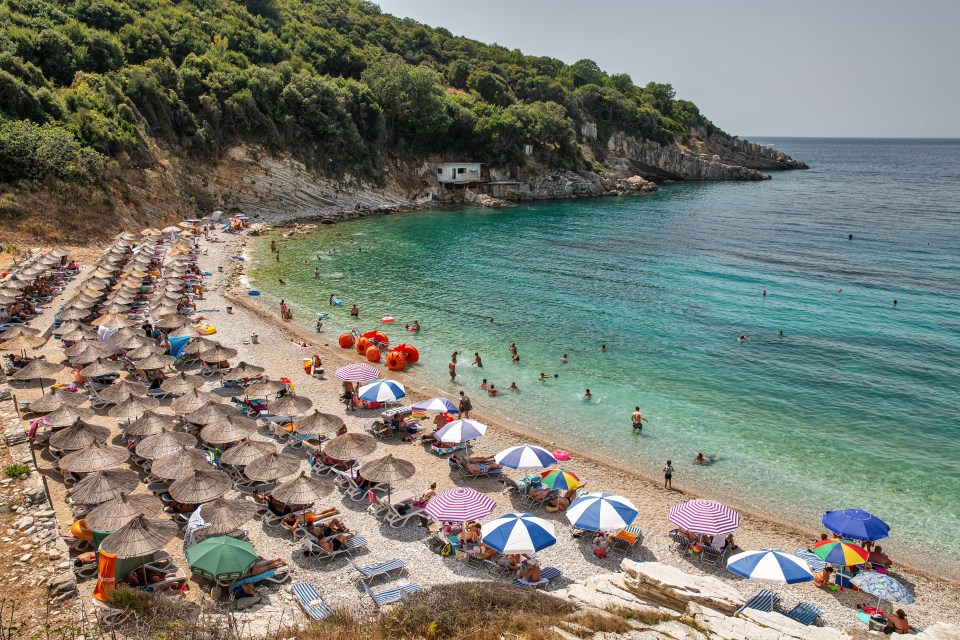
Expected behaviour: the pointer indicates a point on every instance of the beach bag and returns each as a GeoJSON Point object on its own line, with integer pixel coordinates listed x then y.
{"type": "Point", "coordinates": [447, 550]}
{"type": "Point", "coordinates": [600, 553]}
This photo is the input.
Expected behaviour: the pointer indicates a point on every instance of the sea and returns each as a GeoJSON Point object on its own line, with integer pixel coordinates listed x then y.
{"type": "Point", "coordinates": [856, 404]}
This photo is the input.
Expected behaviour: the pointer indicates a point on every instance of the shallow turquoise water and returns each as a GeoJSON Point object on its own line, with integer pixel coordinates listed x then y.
{"type": "Point", "coordinates": [855, 406]}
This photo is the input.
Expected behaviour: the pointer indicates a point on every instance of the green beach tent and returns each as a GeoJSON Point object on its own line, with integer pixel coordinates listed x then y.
{"type": "Point", "coordinates": [221, 557]}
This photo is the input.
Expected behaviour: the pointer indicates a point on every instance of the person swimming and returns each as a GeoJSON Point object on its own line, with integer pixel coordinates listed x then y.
{"type": "Point", "coordinates": [513, 387]}
{"type": "Point", "coordinates": [483, 383]}
{"type": "Point", "coordinates": [780, 334]}
{"type": "Point", "coordinates": [544, 376]}
{"type": "Point", "coordinates": [742, 337]}
{"type": "Point", "coordinates": [563, 360]}
{"type": "Point", "coordinates": [702, 459]}
{"type": "Point", "coordinates": [587, 395]}
{"type": "Point", "coordinates": [603, 348]}
{"type": "Point", "coordinates": [281, 281]}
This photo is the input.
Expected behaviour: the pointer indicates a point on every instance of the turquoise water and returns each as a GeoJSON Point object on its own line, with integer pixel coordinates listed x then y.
{"type": "Point", "coordinates": [856, 405]}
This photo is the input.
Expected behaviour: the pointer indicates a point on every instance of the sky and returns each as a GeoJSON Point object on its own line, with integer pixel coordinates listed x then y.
{"type": "Point", "coordinates": [847, 68]}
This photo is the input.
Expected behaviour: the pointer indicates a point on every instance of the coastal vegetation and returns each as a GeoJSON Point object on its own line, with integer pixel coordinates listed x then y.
{"type": "Point", "coordinates": [91, 88]}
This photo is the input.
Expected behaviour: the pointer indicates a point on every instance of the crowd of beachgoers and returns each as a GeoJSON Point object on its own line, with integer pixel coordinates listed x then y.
{"type": "Point", "coordinates": [195, 444]}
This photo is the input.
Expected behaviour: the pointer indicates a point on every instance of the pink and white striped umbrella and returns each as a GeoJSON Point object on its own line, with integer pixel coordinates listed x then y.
{"type": "Point", "coordinates": [455, 505]}
{"type": "Point", "coordinates": [705, 516]}
{"type": "Point", "coordinates": [360, 372]}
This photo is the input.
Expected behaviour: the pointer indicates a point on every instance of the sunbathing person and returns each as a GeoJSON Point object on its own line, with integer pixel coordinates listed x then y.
{"type": "Point", "coordinates": [425, 498]}
{"type": "Point", "coordinates": [482, 464]}
{"type": "Point", "coordinates": [88, 557]}
{"type": "Point", "coordinates": [538, 491]}
{"type": "Point", "coordinates": [879, 559]}
{"type": "Point", "coordinates": [325, 529]}
{"type": "Point", "coordinates": [530, 571]}
{"type": "Point", "coordinates": [243, 586]}
{"type": "Point", "coordinates": [180, 507]}
{"type": "Point", "coordinates": [332, 545]}
{"type": "Point", "coordinates": [560, 503]}
{"type": "Point", "coordinates": [365, 484]}
{"type": "Point", "coordinates": [134, 579]}
{"type": "Point", "coordinates": [483, 552]}
{"type": "Point", "coordinates": [822, 578]}
{"type": "Point", "coordinates": [510, 562]}
{"type": "Point", "coordinates": [897, 623]}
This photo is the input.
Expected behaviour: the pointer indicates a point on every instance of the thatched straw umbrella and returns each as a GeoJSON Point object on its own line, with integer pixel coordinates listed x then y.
{"type": "Point", "coordinates": [180, 464]}
{"type": "Point", "coordinates": [23, 342]}
{"type": "Point", "coordinates": [222, 516]}
{"type": "Point", "coordinates": [197, 345]}
{"type": "Point", "coordinates": [149, 424]}
{"type": "Point", "coordinates": [172, 321]}
{"type": "Point", "coordinates": [67, 416]}
{"type": "Point", "coordinates": [101, 367]}
{"type": "Point", "coordinates": [185, 331]}
{"type": "Point", "coordinates": [154, 362]}
{"type": "Point", "coordinates": [246, 452]}
{"type": "Point", "coordinates": [37, 370]}
{"type": "Point", "coordinates": [193, 400]}
{"type": "Point", "coordinates": [19, 330]}
{"type": "Point", "coordinates": [164, 443]}
{"type": "Point", "coordinates": [55, 399]}
{"type": "Point", "coordinates": [74, 313]}
{"type": "Point", "coordinates": [133, 407]}
{"type": "Point", "coordinates": [228, 429]}
{"type": "Point", "coordinates": [76, 334]}
{"type": "Point", "coordinates": [289, 405]}
{"type": "Point", "coordinates": [217, 354]}
{"type": "Point", "coordinates": [133, 341]}
{"type": "Point", "coordinates": [79, 435]}
{"type": "Point", "coordinates": [102, 486]}
{"type": "Point", "coordinates": [89, 354]}
{"type": "Point", "coordinates": [113, 514]}
{"type": "Point", "coordinates": [87, 344]}
{"type": "Point", "coordinates": [350, 445]}
{"type": "Point", "coordinates": [303, 489]}
{"type": "Point", "coordinates": [272, 467]}
{"type": "Point", "coordinates": [96, 457]}
{"type": "Point", "coordinates": [265, 388]}
{"type": "Point", "coordinates": [388, 470]}
{"type": "Point", "coordinates": [202, 486]}
{"type": "Point", "coordinates": [139, 537]}
{"type": "Point", "coordinates": [210, 413]}
{"type": "Point", "coordinates": [121, 390]}
{"type": "Point", "coordinates": [112, 320]}
{"type": "Point", "coordinates": [181, 383]}
{"type": "Point", "coordinates": [243, 370]}
{"type": "Point", "coordinates": [144, 350]}
{"type": "Point", "coordinates": [317, 423]}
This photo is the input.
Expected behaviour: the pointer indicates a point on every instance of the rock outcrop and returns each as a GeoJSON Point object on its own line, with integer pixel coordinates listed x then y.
{"type": "Point", "coordinates": [627, 155]}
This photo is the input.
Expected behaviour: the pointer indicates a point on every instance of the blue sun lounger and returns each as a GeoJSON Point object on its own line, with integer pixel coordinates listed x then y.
{"type": "Point", "coordinates": [312, 602]}
{"type": "Point", "coordinates": [389, 596]}
{"type": "Point", "coordinates": [804, 613]}
{"type": "Point", "coordinates": [765, 600]}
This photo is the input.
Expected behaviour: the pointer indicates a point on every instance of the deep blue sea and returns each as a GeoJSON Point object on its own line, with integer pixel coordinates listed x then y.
{"type": "Point", "coordinates": [856, 405]}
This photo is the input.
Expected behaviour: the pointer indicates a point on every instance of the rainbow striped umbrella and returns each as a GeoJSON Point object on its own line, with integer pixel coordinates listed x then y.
{"type": "Point", "coordinates": [560, 479]}
{"type": "Point", "coordinates": [706, 517]}
{"type": "Point", "coordinates": [840, 552]}
{"type": "Point", "coordinates": [456, 505]}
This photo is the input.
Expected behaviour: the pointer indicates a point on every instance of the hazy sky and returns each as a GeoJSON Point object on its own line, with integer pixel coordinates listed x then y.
{"type": "Point", "coordinates": [754, 67]}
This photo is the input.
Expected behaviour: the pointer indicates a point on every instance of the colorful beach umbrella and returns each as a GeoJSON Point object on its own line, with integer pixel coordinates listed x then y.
{"type": "Point", "coordinates": [458, 505]}
{"type": "Point", "coordinates": [221, 557]}
{"type": "Point", "coordinates": [855, 524]}
{"type": "Point", "coordinates": [560, 479]}
{"type": "Point", "coordinates": [382, 391]}
{"type": "Point", "coordinates": [706, 517]}
{"type": "Point", "coordinates": [882, 586]}
{"type": "Point", "coordinates": [840, 552]}
{"type": "Point", "coordinates": [437, 405]}
{"type": "Point", "coordinates": [518, 533]}
{"type": "Point", "coordinates": [525, 456]}
{"type": "Point", "coordinates": [770, 566]}
{"type": "Point", "coordinates": [461, 431]}
{"type": "Point", "coordinates": [601, 512]}
{"type": "Point", "coordinates": [360, 372]}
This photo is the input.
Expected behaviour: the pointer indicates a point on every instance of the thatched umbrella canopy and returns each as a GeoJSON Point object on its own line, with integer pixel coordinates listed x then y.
{"type": "Point", "coordinates": [185, 331]}
{"type": "Point", "coordinates": [75, 313]}
{"type": "Point", "coordinates": [96, 284]}
{"type": "Point", "coordinates": [317, 423]}
{"type": "Point", "coordinates": [303, 489]}
{"type": "Point", "coordinates": [23, 342]}
{"type": "Point", "coordinates": [244, 370]}
{"type": "Point", "coordinates": [199, 344]}
{"type": "Point", "coordinates": [266, 388]}
{"type": "Point", "coordinates": [289, 405]}
{"type": "Point", "coordinates": [77, 333]}
{"type": "Point", "coordinates": [113, 514]}
{"type": "Point", "coordinates": [272, 467]}
{"type": "Point", "coordinates": [96, 457]}
{"type": "Point", "coordinates": [140, 537]}
{"type": "Point", "coordinates": [181, 383]}
{"type": "Point", "coordinates": [217, 354]}
{"type": "Point", "coordinates": [135, 341]}
{"type": "Point", "coordinates": [154, 362]}
{"type": "Point", "coordinates": [101, 367]}
{"type": "Point", "coordinates": [78, 435]}
{"type": "Point", "coordinates": [350, 445]}
{"type": "Point", "coordinates": [55, 399]}
{"type": "Point", "coordinates": [164, 443]}
{"type": "Point", "coordinates": [246, 452]}
{"type": "Point", "coordinates": [228, 429]}
{"type": "Point", "coordinates": [19, 330]}
{"type": "Point", "coordinates": [121, 390]}
{"type": "Point", "coordinates": [221, 516]}
{"type": "Point", "coordinates": [172, 321]}
{"type": "Point", "coordinates": [388, 470]}
{"type": "Point", "coordinates": [145, 350]}
{"type": "Point", "coordinates": [180, 464]}
{"type": "Point", "coordinates": [102, 486]}
{"type": "Point", "coordinates": [90, 354]}
{"type": "Point", "coordinates": [202, 486]}
{"type": "Point", "coordinates": [112, 320]}
{"type": "Point", "coordinates": [37, 370]}
{"type": "Point", "coordinates": [149, 424]}
{"type": "Point", "coordinates": [210, 413]}
{"type": "Point", "coordinates": [67, 416]}
{"type": "Point", "coordinates": [88, 342]}
{"type": "Point", "coordinates": [133, 407]}
{"type": "Point", "coordinates": [193, 400]}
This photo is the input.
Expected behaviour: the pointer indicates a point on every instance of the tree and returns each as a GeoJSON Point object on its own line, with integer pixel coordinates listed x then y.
{"type": "Point", "coordinates": [413, 104]}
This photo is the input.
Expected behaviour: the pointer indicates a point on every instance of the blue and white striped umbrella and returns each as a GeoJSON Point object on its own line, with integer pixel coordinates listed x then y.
{"type": "Point", "coordinates": [461, 431]}
{"type": "Point", "coordinates": [525, 456]}
{"type": "Point", "coordinates": [601, 512]}
{"type": "Point", "coordinates": [770, 566]}
{"type": "Point", "coordinates": [882, 586]}
{"type": "Point", "coordinates": [437, 405]}
{"type": "Point", "coordinates": [518, 533]}
{"type": "Point", "coordinates": [382, 391]}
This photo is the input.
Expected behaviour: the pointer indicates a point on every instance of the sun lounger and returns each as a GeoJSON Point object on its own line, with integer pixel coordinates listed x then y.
{"type": "Point", "coordinates": [395, 518]}
{"type": "Point", "coordinates": [174, 580]}
{"type": "Point", "coordinates": [442, 451]}
{"type": "Point", "coordinates": [312, 602]}
{"type": "Point", "coordinates": [627, 539]}
{"type": "Point", "coordinates": [389, 596]}
{"type": "Point", "coordinates": [85, 571]}
{"type": "Point", "coordinates": [530, 500]}
{"type": "Point", "coordinates": [379, 429]}
{"type": "Point", "coordinates": [712, 555]}
{"type": "Point", "coordinates": [547, 576]}
{"type": "Point", "coordinates": [804, 613]}
{"type": "Point", "coordinates": [813, 561]}
{"type": "Point", "coordinates": [107, 616]}
{"type": "Point", "coordinates": [484, 472]}
{"type": "Point", "coordinates": [77, 544]}
{"type": "Point", "coordinates": [312, 549]}
{"type": "Point", "coordinates": [764, 600]}
{"type": "Point", "coordinates": [373, 572]}
{"type": "Point", "coordinates": [683, 542]}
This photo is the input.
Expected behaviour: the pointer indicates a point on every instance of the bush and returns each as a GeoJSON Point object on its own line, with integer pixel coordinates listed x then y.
{"type": "Point", "coordinates": [35, 152]}
{"type": "Point", "coordinates": [16, 470]}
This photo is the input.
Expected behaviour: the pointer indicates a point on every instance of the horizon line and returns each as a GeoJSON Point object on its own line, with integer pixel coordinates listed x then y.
{"type": "Point", "coordinates": [815, 137]}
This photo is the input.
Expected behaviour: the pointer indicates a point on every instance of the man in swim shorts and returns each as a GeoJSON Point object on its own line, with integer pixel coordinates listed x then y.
{"type": "Point", "coordinates": [453, 369]}
{"type": "Point", "coordinates": [637, 419]}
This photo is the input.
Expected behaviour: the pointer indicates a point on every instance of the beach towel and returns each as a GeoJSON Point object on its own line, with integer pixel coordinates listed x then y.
{"type": "Point", "coordinates": [177, 345]}
{"type": "Point", "coordinates": [106, 575]}
{"type": "Point", "coordinates": [236, 589]}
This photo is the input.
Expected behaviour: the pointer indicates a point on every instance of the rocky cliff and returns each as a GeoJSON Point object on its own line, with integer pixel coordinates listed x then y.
{"type": "Point", "coordinates": [627, 155]}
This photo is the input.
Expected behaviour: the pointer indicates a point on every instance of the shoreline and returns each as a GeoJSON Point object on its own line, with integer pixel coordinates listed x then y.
{"type": "Point", "coordinates": [763, 525]}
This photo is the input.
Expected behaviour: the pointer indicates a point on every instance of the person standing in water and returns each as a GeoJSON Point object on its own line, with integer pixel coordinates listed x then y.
{"type": "Point", "coordinates": [587, 395]}
{"type": "Point", "coordinates": [477, 361]}
{"type": "Point", "coordinates": [563, 360]}
{"type": "Point", "coordinates": [668, 475]}
{"type": "Point", "coordinates": [637, 419]}
{"type": "Point", "coordinates": [331, 300]}
{"type": "Point", "coordinates": [603, 348]}
{"type": "Point", "coordinates": [452, 367]}
{"type": "Point", "coordinates": [355, 311]}
{"type": "Point", "coordinates": [763, 294]}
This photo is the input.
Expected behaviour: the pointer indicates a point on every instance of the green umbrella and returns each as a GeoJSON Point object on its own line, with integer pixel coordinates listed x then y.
{"type": "Point", "coordinates": [221, 557]}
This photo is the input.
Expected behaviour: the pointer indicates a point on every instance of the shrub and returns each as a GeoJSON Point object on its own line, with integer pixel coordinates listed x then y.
{"type": "Point", "coordinates": [16, 470]}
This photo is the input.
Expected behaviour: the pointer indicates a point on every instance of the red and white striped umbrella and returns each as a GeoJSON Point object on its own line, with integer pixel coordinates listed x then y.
{"type": "Point", "coordinates": [705, 516]}
{"type": "Point", "coordinates": [456, 505]}
{"type": "Point", "coordinates": [360, 372]}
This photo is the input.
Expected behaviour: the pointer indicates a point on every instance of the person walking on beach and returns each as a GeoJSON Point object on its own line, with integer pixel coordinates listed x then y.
{"type": "Point", "coordinates": [283, 310]}
{"type": "Point", "coordinates": [278, 255]}
{"type": "Point", "coordinates": [668, 475]}
{"type": "Point", "coordinates": [477, 361]}
{"type": "Point", "coordinates": [638, 419]}
{"type": "Point", "coordinates": [465, 405]}
{"type": "Point", "coordinates": [330, 300]}
{"type": "Point", "coordinates": [452, 367]}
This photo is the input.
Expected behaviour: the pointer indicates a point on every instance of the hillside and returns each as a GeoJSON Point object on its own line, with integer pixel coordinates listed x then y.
{"type": "Point", "coordinates": [115, 108]}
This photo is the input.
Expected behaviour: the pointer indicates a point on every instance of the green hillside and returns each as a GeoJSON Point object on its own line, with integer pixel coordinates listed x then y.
{"type": "Point", "coordinates": [90, 86]}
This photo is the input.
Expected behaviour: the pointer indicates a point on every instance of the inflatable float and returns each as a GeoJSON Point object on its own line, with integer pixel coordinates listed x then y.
{"type": "Point", "coordinates": [336, 301]}
{"type": "Point", "coordinates": [205, 329]}
{"type": "Point", "coordinates": [387, 319]}
{"type": "Point", "coordinates": [253, 292]}
{"type": "Point", "coordinates": [560, 454]}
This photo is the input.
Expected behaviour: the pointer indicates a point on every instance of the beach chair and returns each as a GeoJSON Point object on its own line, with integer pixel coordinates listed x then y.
{"type": "Point", "coordinates": [396, 519]}
{"type": "Point", "coordinates": [627, 539]}
{"type": "Point", "coordinates": [379, 429]}
{"type": "Point", "coordinates": [526, 498]}
{"type": "Point", "coordinates": [270, 519]}
{"type": "Point", "coordinates": [683, 542]}
{"type": "Point", "coordinates": [804, 613]}
{"type": "Point", "coordinates": [483, 473]}
{"type": "Point", "coordinates": [712, 555]}
{"type": "Point", "coordinates": [77, 544]}
{"type": "Point", "coordinates": [764, 600]}
{"type": "Point", "coordinates": [312, 549]}
{"type": "Point", "coordinates": [174, 580]}
{"type": "Point", "coordinates": [311, 601]}
{"type": "Point", "coordinates": [108, 617]}
{"type": "Point", "coordinates": [86, 571]}
{"type": "Point", "coordinates": [389, 596]}
{"type": "Point", "coordinates": [509, 484]}
{"type": "Point", "coordinates": [373, 572]}
{"type": "Point", "coordinates": [547, 576]}
{"type": "Point", "coordinates": [442, 451]}
{"type": "Point", "coordinates": [813, 561]}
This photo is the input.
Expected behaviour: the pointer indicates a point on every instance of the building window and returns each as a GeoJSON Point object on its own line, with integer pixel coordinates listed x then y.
{"type": "Point", "coordinates": [461, 170]}
{"type": "Point", "coordinates": [439, 171]}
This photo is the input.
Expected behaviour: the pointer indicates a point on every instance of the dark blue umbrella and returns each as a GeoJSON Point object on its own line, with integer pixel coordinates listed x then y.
{"type": "Point", "coordinates": [855, 524]}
